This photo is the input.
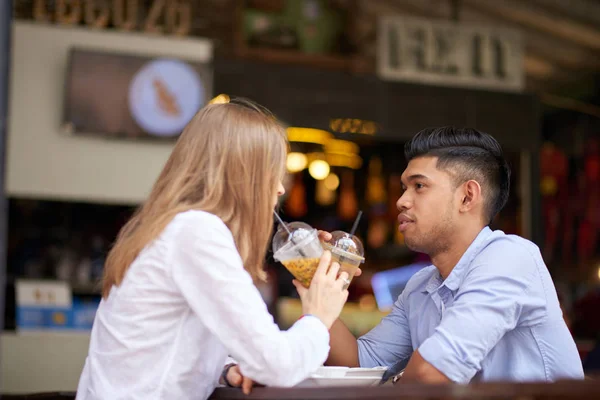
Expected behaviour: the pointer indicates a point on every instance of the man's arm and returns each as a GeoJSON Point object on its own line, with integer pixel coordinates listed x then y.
{"type": "Point", "coordinates": [419, 370]}
{"type": "Point", "coordinates": [488, 304]}
{"type": "Point", "coordinates": [384, 345]}
{"type": "Point", "coordinates": [343, 346]}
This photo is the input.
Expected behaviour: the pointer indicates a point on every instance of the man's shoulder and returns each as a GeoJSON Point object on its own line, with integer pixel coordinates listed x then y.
{"type": "Point", "coordinates": [503, 255]}
{"type": "Point", "coordinates": [502, 246]}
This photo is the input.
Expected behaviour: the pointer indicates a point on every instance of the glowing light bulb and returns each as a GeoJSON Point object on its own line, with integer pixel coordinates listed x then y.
{"type": "Point", "coordinates": [296, 162]}
{"type": "Point", "coordinates": [332, 181]}
{"type": "Point", "coordinates": [318, 169]}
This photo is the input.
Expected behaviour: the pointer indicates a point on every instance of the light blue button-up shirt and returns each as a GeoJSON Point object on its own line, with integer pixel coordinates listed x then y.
{"type": "Point", "coordinates": [495, 317]}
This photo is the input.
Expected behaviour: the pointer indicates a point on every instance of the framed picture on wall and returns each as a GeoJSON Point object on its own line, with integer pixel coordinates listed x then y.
{"type": "Point", "coordinates": [129, 96]}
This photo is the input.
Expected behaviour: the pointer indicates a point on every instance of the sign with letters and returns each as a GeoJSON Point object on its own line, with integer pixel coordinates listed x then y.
{"type": "Point", "coordinates": [353, 125]}
{"type": "Point", "coordinates": [170, 17]}
{"type": "Point", "coordinates": [449, 53]}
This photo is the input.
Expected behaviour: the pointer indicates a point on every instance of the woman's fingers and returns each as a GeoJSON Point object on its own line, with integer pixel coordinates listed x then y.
{"type": "Point", "coordinates": [247, 385]}
{"type": "Point", "coordinates": [321, 271]}
{"type": "Point", "coordinates": [236, 379]}
{"type": "Point", "coordinates": [343, 280]}
{"type": "Point", "coordinates": [234, 376]}
{"type": "Point", "coordinates": [333, 270]}
{"type": "Point", "coordinates": [300, 288]}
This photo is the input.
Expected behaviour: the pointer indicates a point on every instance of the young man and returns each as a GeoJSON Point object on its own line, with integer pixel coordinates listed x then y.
{"type": "Point", "coordinates": [487, 309]}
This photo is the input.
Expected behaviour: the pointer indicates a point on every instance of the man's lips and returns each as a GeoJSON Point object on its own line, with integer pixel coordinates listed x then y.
{"type": "Point", "coordinates": [404, 221]}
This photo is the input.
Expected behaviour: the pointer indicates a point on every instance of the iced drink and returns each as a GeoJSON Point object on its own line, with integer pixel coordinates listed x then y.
{"type": "Point", "coordinates": [303, 269]}
{"type": "Point", "coordinates": [299, 252]}
{"type": "Point", "coordinates": [347, 250]}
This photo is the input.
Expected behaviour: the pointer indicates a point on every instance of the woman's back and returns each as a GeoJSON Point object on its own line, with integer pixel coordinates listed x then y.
{"type": "Point", "coordinates": [145, 337]}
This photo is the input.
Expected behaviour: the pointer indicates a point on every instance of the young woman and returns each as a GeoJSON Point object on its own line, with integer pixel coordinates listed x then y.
{"type": "Point", "coordinates": [178, 290]}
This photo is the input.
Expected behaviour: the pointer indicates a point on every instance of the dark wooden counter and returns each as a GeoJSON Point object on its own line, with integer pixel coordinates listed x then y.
{"type": "Point", "coordinates": [583, 390]}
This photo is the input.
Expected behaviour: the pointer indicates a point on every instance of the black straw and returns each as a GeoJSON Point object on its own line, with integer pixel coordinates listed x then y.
{"type": "Point", "coordinates": [356, 221]}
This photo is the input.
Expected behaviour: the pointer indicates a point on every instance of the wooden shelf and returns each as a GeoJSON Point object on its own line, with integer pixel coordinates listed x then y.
{"type": "Point", "coordinates": [331, 62]}
{"type": "Point", "coordinates": [353, 64]}
{"type": "Point", "coordinates": [323, 61]}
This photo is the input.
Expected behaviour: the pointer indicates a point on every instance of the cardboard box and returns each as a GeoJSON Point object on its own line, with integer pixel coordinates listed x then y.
{"type": "Point", "coordinates": [51, 306]}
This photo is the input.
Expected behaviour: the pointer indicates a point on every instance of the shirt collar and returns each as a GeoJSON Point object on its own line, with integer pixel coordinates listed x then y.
{"type": "Point", "coordinates": [434, 282]}
{"type": "Point", "coordinates": [453, 280]}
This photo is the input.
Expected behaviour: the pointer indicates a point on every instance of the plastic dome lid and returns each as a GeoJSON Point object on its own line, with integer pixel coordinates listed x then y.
{"type": "Point", "coordinates": [344, 242]}
{"type": "Point", "coordinates": [300, 233]}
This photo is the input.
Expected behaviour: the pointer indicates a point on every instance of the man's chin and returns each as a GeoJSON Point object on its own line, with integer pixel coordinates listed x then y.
{"type": "Point", "coordinates": [411, 245]}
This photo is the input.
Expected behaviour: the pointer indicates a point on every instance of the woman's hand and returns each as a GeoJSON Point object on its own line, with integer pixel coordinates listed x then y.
{"type": "Point", "coordinates": [236, 379]}
{"type": "Point", "coordinates": [325, 236]}
{"type": "Point", "coordinates": [327, 293]}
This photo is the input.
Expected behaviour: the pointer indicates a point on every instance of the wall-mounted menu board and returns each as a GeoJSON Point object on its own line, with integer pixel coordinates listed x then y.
{"type": "Point", "coordinates": [129, 96]}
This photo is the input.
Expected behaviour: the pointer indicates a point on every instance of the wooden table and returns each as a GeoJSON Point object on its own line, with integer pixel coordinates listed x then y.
{"type": "Point", "coordinates": [582, 390]}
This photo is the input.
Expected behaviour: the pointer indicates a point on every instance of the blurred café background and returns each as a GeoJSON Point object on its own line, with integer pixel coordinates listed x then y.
{"type": "Point", "coordinates": [93, 94]}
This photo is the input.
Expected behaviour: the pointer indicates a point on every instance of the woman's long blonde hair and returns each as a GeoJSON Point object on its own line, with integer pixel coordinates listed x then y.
{"type": "Point", "coordinates": [228, 161]}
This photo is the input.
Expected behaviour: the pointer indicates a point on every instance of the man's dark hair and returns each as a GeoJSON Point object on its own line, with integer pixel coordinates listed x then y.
{"type": "Point", "coordinates": [467, 154]}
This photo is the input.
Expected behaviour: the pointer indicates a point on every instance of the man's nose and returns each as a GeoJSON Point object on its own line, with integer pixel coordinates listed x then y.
{"type": "Point", "coordinates": [404, 202]}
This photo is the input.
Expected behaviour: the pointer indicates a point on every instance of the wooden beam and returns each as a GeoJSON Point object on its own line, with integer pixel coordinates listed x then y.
{"type": "Point", "coordinates": [525, 14]}
{"type": "Point", "coordinates": [567, 103]}
{"type": "Point", "coordinates": [586, 11]}
{"type": "Point", "coordinates": [539, 67]}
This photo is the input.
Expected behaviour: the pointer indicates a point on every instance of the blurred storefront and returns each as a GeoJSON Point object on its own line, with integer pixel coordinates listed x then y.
{"type": "Point", "coordinates": [351, 86]}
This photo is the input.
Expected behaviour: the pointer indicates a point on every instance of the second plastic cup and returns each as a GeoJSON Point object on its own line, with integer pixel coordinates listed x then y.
{"type": "Point", "coordinates": [347, 250]}
{"type": "Point", "coordinates": [299, 252]}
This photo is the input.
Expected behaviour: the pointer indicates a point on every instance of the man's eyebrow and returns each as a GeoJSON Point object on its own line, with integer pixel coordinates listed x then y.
{"type": "Point", "coordinates": [413, 177]}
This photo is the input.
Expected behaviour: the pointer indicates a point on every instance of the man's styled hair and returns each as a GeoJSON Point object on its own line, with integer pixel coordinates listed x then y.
{"type": "Point", "coordinates": [466, 154]}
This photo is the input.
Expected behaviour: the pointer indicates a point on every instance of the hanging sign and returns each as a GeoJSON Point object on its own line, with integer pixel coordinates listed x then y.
{"type": "Point", "coordinates": [449, 53]}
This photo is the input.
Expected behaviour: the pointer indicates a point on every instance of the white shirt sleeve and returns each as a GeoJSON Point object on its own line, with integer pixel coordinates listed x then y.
{"type": "Point", "coordinates": [230, 360]}
{"type": "Point", "coordinates": [208, 271]}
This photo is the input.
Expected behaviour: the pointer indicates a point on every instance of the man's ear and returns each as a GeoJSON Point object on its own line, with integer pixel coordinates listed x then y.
{"type": "Point", "coordinates": [470, 196]}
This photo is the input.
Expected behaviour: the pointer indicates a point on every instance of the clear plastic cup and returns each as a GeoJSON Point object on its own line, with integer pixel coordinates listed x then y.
{"type": "Point", "coordinates": [299, 252]}
{"type": "Point", "coordinates": [347, 250]}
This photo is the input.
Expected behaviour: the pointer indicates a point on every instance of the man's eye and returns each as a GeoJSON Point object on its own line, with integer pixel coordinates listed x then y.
{"type": "Point", "coordinates": [419, 186]}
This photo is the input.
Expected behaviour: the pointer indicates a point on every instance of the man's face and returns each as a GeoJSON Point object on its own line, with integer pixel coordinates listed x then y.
{"type": "Point", "coordinates": [427, 207]}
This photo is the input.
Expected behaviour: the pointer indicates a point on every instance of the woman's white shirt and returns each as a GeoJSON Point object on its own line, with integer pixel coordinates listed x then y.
{"type": "Point", "coordinates": [185, 304]}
